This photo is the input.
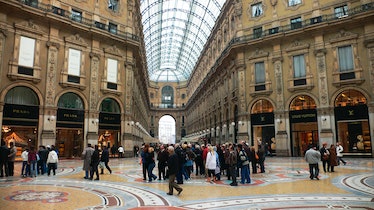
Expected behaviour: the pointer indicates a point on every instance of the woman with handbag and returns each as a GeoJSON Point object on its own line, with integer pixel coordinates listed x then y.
{"type": "Point", "coordinates": [325, 156]}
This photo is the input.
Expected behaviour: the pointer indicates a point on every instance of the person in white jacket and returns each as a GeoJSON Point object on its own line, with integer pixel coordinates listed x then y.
{"type": "Point", "coordinates": [339, 154]}
{"type": "Point", "coordinates": [52, 160]}
{"type": "Point", "coordinates": [25, 167]}
{"type": "Point", "coordinates": [211, 163]}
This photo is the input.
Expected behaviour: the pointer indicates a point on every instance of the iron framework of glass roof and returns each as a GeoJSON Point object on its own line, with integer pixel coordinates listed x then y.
{"type": "Point", "coordinates": [175, 32]}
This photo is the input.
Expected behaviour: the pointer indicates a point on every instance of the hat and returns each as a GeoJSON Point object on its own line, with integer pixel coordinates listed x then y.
{"type": "Point", "coordinates": [48, 146]}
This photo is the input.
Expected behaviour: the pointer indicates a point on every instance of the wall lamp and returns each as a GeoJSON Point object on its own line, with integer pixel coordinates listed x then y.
{"type": "Point", "coordinates": [95, 121]}
{"type": "Point", "coordinates": [224, 125]}
{"type": "Point", "coordinates": [137, 123]}
{"type": "Point", "coordinates": [240, 123]}
{"type": "Point", "coordinates": [279, 121]}
{"type": "Point", "coordinates": [323, 118]}
{"type": "Point", "coordinates": [51, 118]}
{"type": "Point", "coordinates": [233, 123]}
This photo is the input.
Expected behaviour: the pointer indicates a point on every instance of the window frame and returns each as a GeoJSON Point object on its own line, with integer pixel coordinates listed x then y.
{"type": "Point", "coordinates": [257, 7]}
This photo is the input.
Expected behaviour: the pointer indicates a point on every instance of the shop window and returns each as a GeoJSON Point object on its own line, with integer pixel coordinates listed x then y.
{"type": "Point", "coordinates": [109, 105]}
{"type": "Point", "coordinates": [292, 3]}
{"type": "Point", "coordinates": [26, 56]}
{"type": "Point", "coordinates": [260, 76]}
{"type": "Point", "coordinates": [32, 3]}
{"type": "Point", "coordinates": [113, 5]}
{"type": "Point", "coordinates": [302, 102]}
{"type": "Point", "coordinates": [76, 15]}
{"type": "Point", "coordinates": [262, 106]}
{"type": "Point", "coordinates": [112, 28]}
{"type": "Point", "coordinates": [112, 71]}
{"type": "Point", "coordinates": [70, 101]}
{"type": "Point", "coordinates": [341, 11]}
{"type": "Point", "coordinates": [257, 33]}
{"type": "Point", "coordinates": [299, 70]}
{"type": "Point", "coordinates": [257, 9]}
{"type": "Point", "coordinates": [350, 98]}
{"type": "Point", "coordinates": [167, 97]}
{"type": "Point", "coordinates": [296, 23]}
{"type": "Point", "coordinates": [21, 95]}
{"type": "Point", "coordinates": [346, 67]}
{"type": "Point", "coordinates": [74, 65]}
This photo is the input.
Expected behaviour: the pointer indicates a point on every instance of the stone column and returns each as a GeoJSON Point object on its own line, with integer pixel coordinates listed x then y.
{"type": "Point", "coordinates": [93, 112]}
{"type": "Point", "coordinates": [48, 134]}
{"type": "Point", "coordinates": [281, 135]}
{"type": "Point", "coordinates": [128, 136]}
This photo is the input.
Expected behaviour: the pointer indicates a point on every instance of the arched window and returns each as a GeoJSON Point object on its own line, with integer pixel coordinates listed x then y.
{"type": "Point", "coordinates": [302, 102]}
{"type": "Point", "coordinates": [350, 98]}
{"type": "Point", "coordinates": [21, 95]}
{"type": "Point", "coordinates": [262, 106]}
{"type": "Point", "coordinates": [109, 105]}
{"type": "Point", "coordinates": [167, 97]}
{"type": "Point", "coordinates": [70, 101]}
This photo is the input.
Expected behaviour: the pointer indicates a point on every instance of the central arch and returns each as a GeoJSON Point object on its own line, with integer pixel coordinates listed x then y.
{"type": "Point", "coordinates": [166, 129]}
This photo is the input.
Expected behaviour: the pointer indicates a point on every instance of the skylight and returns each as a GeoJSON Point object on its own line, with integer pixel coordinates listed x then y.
{"type": "Point", "coordinates": [175, 32]}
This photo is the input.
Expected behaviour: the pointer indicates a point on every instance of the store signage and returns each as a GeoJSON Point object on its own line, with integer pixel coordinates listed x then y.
{"type": "Point", "coordinates": [21, 111]}
{"type": "Point", "coordinates": [70, 115]}
{"type": "Point", "coordinates": [351, 112]}
{"type": "Point", "coordinates": [306, 115]}
{"type": "Point", "coordinates": [262, 118]}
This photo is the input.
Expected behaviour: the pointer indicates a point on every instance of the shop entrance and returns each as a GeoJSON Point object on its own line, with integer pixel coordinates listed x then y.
{"type": "Point", "coordinates": [302, 137]}
{"type": "Point", "coordinates": [69, 143]}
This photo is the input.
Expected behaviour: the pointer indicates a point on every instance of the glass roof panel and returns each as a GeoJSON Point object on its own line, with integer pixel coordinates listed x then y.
{"type": "Point", "coordinates": [175, 32]}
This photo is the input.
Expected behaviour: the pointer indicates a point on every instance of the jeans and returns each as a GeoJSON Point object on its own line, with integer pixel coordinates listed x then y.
{"type": "Point", "coordinates": [151, 176]}
{"type": "Point", "coordinates": [313, 170]}
{"type": "Point", "coordinates": [33, 168]}
{"type": "Point", "coordinates": [25, 169]}
{"type": "Point", "coordinates": [245, 174]}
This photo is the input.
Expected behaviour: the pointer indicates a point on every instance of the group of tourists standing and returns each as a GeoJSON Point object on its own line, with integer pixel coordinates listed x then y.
{"type": "Point", "coordinates": [34, 162]}
{"type": "Point", "coordinates": [330, 158]}
{"type": "Point", "coordinates": [209, 161]}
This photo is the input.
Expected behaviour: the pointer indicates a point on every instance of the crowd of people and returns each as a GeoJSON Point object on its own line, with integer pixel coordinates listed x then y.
{"type": "Point", "coordinates": [208, 161]}
{"type": "Point", "coordinates": [34, 161]}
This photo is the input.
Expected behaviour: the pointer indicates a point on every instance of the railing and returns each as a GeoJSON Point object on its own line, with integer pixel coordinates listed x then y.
{"type": "Point", "coordinates": [67, 15]}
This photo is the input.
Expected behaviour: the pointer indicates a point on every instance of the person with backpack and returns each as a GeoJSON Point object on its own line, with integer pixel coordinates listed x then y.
{"type": "Point", "coordinates": [52, 160]}
{"type": "Point", "coordinates": [244, 162]}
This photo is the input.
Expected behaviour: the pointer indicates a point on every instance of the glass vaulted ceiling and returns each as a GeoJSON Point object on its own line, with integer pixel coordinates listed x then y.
{"type": "Point", "coordinates": [175, 32]}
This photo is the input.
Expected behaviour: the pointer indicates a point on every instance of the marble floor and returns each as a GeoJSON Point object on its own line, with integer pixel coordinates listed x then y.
{"type": "Point", "coordinates": [285, 185]}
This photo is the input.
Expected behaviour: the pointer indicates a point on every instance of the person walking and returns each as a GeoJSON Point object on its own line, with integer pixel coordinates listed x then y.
{"type": "Point", "coordinates": [232, 162]}
{"type": "Point", "coordinates": [151, 164]}
{"type": "Point", "coordinates": [339, 154]}
{"type": "Point", "coordinates": [143, 160]}
{"type": "Point", "coordinates": [312, 157]}
{"type": "Point", "coordinates": [86, 156]}
{"type": "Point", "coordinates": [11, 158]}
{"type": "Point", "coordinates": [173, 162]}
{"type": "Point", "coordinates": [52, 160]}
{"type": "Point", "coordinates": [105, 159]}
{"type": "Point", "coordinates": [95, 160]}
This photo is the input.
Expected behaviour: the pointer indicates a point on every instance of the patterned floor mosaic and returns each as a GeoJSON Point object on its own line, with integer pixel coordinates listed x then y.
{"type": "Point", "coordinates": [285, 185]}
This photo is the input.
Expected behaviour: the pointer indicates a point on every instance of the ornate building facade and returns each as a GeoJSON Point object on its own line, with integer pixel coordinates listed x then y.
{"type": "Point", "coordinates": [279, 73]}
{"type": "Point", "coordinates": [285, 74]}
{"type": "Point", "coordinates": [73, 72]}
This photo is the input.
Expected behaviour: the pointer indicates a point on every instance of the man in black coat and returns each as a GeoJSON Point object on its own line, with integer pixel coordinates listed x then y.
{"type": "Point", "coordinates": [173, 165]}
{"type": "Point", "coordinates": [105, 160]}
{"type": "Point", "coordinates": [4, 152]}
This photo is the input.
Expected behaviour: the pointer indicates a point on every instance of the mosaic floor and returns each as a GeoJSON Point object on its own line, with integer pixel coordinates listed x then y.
{"type": "Point", "coordinates": [285, 185]}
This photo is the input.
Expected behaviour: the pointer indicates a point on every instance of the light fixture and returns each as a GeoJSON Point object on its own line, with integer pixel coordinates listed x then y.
{"type": "Point", "coordinates": [240, 123]}
{"type": "Point", "coordinates": [132, 122]}
{"type": "Point", "coordinates": [323, 118]}
{"type": "Point", "coordinates": [6, 129]}
{"type": "Point", "coordinates": [212, 129]}
{"type": "Point", "coordinates": [95, 121]}
{"type": "Point", "coordinates": [51, 118]}
{"type": "Point", "coordinates": [279, 121]}
{"type": "Point", "coordinates": [137, 123]}
{"type": "Point", "coordinates": [217, 127]}
{"type": "Point", "coordinates": [233, 123]}
{"type": "Point", "coordinates": [224, 125]}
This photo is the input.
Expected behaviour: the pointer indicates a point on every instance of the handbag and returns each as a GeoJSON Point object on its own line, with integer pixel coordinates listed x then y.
{"type": "Point", "coordinates": [101, 165]}
{"type": "Point", "coordinates": [256, 156]}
